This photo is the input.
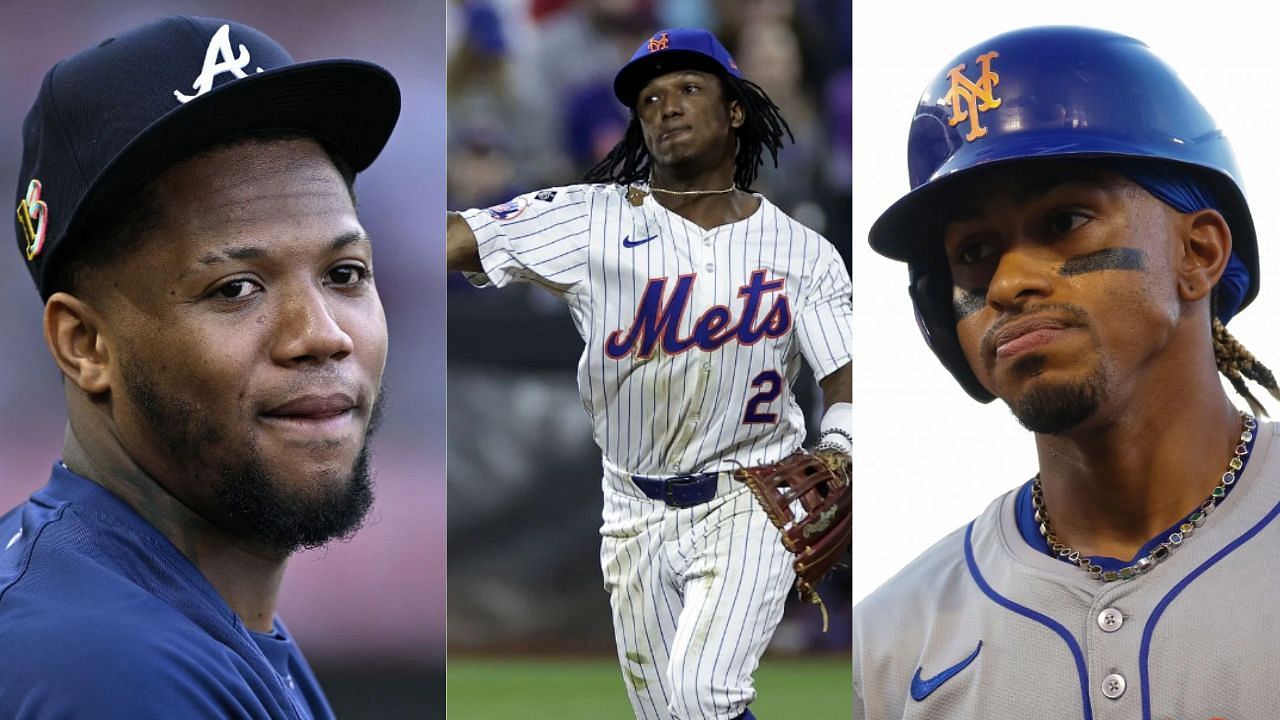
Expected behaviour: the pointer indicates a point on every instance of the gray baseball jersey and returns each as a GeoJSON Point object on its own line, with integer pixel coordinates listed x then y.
{"type": "Point", "coordinates": [983, 625]}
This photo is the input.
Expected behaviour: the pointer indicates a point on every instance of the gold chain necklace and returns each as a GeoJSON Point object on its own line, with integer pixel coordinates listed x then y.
{"type": "Point", "coordinates": [1164, 549]}
{"type": "Point", "coordinates": [729, 189]}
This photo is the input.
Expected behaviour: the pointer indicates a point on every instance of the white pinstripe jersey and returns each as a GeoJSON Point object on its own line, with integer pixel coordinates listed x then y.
{"type": "Point", "coordinates": [983, 625]}
{"type": "Point", "coordinates": [693, 336]}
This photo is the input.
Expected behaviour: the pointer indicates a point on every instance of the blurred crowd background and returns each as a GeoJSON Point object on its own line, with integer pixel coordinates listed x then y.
{"type": "Point", "coordinates": [368, 613]}
{"type": "Point", "coordinates": [531, 105]}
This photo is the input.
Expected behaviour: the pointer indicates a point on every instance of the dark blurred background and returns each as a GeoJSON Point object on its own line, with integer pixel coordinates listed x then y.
{"type": "Point", "coordinates": [369, 613]}
{"type": "Point", "coordinates": [531, 105]}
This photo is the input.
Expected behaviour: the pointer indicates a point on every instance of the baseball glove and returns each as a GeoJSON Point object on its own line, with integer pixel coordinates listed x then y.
{"type": "Point", "coordinates": [819, 538]}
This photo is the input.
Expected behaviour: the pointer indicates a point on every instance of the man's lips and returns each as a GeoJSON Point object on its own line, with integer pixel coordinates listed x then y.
{"type": "Point", "coordinates": [1022, 336]}
{"type": "Point", "coordinates": [326, 416]}
{"type": "Point", "coordinates": [672, 132]}
{"type": "Point", "coordinates": [313, 406]}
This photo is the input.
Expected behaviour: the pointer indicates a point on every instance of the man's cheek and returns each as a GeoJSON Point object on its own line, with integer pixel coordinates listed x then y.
{"type": "Point", "coordinates": [969, 331]}
{"type": "Point", "coordinates": [967, 302]}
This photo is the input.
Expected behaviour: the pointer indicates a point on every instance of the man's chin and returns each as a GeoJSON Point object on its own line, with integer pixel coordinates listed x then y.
{"type": "Point", "coordinates": [292, 513]}
{"type": "Point", "coordinates": [1054, 408]}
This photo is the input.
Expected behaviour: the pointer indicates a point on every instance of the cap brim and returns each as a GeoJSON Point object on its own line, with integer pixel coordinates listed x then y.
{"type": "Point", "coordinates": [350, 104]}
{"type": "Point", "coordinates": [634, 75]}
{"type": "Point", "coordinates": [900, 233]}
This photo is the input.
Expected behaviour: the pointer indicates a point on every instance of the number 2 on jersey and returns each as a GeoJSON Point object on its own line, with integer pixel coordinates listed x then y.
{"type": "Point", "coordinates": [770, 384]}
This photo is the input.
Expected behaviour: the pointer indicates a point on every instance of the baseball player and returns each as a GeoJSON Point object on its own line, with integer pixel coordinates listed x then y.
{"type": "Point", "coordinates": [185, 208]}
{"type": "Point", "coordinates": [1078, 238]}
{"type": "Point", "coordinates": [696, 300]}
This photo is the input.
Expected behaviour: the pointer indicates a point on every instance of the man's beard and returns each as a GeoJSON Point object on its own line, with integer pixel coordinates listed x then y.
{"type": "Point", "coordinates": [253, 500]}
{"type": "Point", "coordinates": [269, 513]}
{"type": "Point", "coordinates": [1054, 408]}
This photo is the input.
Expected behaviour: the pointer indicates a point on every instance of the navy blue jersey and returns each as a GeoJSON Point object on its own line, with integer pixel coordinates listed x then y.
{"type": "Point", "coordinates": [102, 617]}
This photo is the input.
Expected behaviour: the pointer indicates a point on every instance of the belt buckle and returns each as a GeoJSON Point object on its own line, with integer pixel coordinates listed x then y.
{"type": "Point", "coordinates": [677, 482]}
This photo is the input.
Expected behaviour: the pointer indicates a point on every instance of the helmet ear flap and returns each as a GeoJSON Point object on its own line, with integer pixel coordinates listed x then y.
{"type": "Point", "coordinates": [931, 295]}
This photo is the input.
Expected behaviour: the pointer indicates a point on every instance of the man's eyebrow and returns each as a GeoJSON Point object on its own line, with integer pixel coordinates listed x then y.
{"type": "Point", "coordinates": [346, 239]}
{"type": "Point", "coordinates": [349, 238]}
{"type": "Point", "coordinates": [234, 253]}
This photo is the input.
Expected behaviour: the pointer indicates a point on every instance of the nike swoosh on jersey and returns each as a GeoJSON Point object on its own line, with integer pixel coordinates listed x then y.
{"type": "Point", "coordinates": [921, 689]}
{"type": "Point", "coordinates": [626, 241]}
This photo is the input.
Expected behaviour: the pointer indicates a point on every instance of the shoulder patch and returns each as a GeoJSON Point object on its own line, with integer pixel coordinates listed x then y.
{"type": "Point", "coordinates": [508, 210]}
{"type": "Point", "coordinates": [546, 195]}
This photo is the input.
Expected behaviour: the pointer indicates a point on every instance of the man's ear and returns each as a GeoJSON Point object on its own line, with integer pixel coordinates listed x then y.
{"type": "Point", "coordinates": [74, 332]}
{"type": "Point", "coordinates": [737, 114]}
{"type": "Point", "coordinates": [1206, 247]}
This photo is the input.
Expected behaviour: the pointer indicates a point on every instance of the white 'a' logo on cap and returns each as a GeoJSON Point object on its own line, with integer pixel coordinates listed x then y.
{"type": "Point", "coordinates": [219, 58]}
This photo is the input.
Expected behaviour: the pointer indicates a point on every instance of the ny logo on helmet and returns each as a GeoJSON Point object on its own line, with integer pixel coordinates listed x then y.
{"type": "Point", "coordinates": [659, 42]}
{"type": "Point", "coordinates": [969, 98]}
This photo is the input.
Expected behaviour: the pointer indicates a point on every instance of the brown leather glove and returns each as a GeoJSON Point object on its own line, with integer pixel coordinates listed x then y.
{"type": "Point", "coordinates": [820, 537]}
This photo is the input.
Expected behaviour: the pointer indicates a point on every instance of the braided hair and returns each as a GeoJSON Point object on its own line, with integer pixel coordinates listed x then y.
{"type": "Point", "coordinates": [1237, 364]}
{"type": "Point", "coordinates": [763, 128]}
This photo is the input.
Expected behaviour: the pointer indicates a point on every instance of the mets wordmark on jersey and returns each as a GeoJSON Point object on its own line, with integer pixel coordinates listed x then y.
{"type": "Point", "coordinates": [693, 336]}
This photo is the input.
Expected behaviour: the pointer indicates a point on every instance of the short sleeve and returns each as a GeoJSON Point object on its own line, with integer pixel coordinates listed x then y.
{"type": "Point", "coordinates": [538, 237]}
{"type": "Point", "coordinates": [824, 320]}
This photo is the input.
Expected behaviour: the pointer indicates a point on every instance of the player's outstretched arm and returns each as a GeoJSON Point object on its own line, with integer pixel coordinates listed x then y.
{"type": "Point", "coordinates": [461, 252]}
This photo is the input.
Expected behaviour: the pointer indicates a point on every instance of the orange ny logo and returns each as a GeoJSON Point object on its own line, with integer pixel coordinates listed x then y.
{"type": "Point", "coordinates": [968, 98]}
{"type": "Point", "coordinates": [659, 42]}
{"type": "Point", "coordinates": [32, 209]}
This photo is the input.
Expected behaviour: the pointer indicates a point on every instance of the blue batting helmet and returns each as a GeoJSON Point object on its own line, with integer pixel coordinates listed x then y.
{"type": "Point", "coordinates": [1045, 93]}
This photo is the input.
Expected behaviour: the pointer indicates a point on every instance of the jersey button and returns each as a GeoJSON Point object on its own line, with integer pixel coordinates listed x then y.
{"type": "Point", "coordinates": [711, 267]}
{"type": "Point", "coordinates": [1113, 686]}
{"type": "Point", "coordinates": [1110, 620]}
{"type": "Point", "coordinates": [706, 241]}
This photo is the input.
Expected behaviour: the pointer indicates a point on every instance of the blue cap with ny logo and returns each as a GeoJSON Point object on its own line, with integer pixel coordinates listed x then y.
{"type": "Point", "coordinates": [108, 120]}
{"type": "Point", "coordinates": [668, 51]}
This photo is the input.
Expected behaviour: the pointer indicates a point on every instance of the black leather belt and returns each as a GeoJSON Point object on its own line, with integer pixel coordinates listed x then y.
{"type": "Point", "coordinates": [679, 491]}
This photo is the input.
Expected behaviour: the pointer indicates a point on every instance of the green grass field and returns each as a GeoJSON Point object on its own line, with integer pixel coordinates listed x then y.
{"type": "Point", "coordinates": [571, 689]}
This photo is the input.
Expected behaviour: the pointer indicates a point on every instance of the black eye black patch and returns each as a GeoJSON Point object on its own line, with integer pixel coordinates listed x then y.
{"type": "Point", "coordinates": [1119, 258]}
{"type": "Point", "coordinates": [967, 302]}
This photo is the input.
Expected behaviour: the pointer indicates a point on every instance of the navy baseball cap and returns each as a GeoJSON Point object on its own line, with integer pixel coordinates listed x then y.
{"type": "Point", "coordinates": [668, 51]}
{"type": "Point", "coordinates": [111, 118]}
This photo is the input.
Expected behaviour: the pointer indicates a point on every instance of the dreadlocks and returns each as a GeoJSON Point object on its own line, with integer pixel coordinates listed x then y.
{"type": "Point", "coordinates": [1237, 363]}
{"type": "Point", "coordinates": [762, 129]}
